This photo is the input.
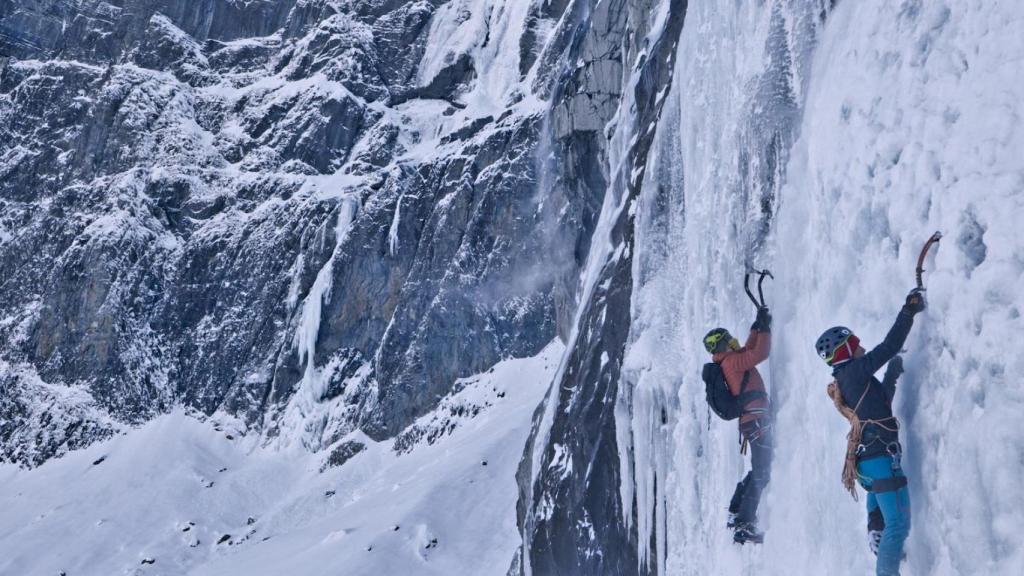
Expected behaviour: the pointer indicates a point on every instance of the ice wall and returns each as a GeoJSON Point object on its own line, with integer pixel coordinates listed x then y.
{"type": "Point", "coordinates": [912, 124]}
{"type": "Point", "coordinates": [828, 143]}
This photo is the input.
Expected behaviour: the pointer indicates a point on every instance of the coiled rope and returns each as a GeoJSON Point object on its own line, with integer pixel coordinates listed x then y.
{"type": "Point", "coordinates": [853, 438]}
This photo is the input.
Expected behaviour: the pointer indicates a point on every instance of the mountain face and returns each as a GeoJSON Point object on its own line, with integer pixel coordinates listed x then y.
{"type": "Point", "coordinates": [314, 216]}
{"type": "Point", "coordinates": [574, 523]}
{"type": "Point", "coordinates": [347, 230]}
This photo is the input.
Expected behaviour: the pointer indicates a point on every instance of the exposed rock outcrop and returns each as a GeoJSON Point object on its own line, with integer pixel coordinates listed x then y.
{"type": "Point", "coordinates": [268, 209]}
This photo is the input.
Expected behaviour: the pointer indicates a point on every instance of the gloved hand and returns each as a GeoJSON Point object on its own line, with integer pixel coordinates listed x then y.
{"type": "Point", "coordinates": [915, 302]}
{"type": "Point", "coordinates": [895, 367]}
{"type": "Point", "coordinates": [763, 322]}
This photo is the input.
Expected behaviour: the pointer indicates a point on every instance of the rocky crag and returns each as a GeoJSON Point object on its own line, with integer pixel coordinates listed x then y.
{"type": "Point", "coordinates": [314, 216]}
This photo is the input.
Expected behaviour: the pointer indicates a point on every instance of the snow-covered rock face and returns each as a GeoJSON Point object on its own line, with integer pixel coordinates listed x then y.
{"type": "Point", "coordinates": [314, 215]}
{"type": "Point", "coordinates": [572, 518]}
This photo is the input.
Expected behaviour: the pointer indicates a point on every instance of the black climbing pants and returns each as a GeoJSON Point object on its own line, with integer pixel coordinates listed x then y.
{"type": "Point", "coordinates": [758, 434]}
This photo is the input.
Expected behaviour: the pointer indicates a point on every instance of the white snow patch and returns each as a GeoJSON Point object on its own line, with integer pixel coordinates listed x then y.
{"type": "Point", "coordinates": [174, 487]}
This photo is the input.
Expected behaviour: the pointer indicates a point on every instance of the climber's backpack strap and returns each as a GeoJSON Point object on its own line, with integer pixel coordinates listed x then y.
{"type": "Point", "coordinates": [746, 397]}
{"type": "Point", "coordinates": [716, 390]}
{"type": "Point", "coordinates": [720, 399]}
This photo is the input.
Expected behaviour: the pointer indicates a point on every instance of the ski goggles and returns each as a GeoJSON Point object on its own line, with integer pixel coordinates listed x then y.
{"type": "Point", "coordinates": [712, 340]}
{"type": "Point", "coordinates": [843, 351]}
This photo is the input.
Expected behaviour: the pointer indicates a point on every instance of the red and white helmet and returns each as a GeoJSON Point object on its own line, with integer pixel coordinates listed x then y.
{"type": "Point", "coordinates": [837, 345]}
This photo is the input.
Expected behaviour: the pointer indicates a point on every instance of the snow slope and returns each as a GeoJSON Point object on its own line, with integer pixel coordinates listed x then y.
{"type": "Point", "coordinates": [447, 506]}
{"type": "Point", "coordinates": [907, 120]}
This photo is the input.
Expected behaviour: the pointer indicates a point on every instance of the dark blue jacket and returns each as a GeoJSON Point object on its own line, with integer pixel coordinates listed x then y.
{"type": "Point", "coordinates": [857, 374]}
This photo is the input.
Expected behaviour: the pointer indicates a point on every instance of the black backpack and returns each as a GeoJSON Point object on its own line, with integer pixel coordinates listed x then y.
{"type": "Point", "coordinates": [721, 400]}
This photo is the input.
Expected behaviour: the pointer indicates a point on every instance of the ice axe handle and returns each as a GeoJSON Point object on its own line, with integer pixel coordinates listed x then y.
{"type": "Point", "coordinates": [760, 284]}
{"type": "Point", "coordinates": [924, 253]}
{"type": "Point", "coordinates": [746, 287]}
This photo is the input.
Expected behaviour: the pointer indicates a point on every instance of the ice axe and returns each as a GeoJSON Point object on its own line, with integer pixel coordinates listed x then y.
{"type": "Point", "coordinates": [760, 282]}
{"type": "Point", "coordinates": [920, 259]}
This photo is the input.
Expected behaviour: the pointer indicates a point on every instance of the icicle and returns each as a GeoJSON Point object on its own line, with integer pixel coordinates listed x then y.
{"type": "Point", "coordinates": [308, 328]}
{"type": "Point", "coordinates": [393, 231]}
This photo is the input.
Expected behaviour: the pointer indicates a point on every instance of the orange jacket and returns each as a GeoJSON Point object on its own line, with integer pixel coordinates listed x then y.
{"type": "Point", "coordinates": [735, 362]}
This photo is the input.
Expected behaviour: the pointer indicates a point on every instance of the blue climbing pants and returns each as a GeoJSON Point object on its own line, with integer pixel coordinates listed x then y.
{"type": "Point", "coordinates": [884, 479]}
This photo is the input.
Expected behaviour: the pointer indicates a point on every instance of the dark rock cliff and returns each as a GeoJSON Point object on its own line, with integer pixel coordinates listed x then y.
{"type": "Point", "coordinates": [570, 511]}
{"type": "Point", "coordinates": [223, 204]}
{"type": "Point", "coordinates": [298, 213]}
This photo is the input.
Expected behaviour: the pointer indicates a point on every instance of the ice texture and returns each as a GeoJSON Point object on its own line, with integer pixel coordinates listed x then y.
{"type": "Point", "coordinates": [904, 119]}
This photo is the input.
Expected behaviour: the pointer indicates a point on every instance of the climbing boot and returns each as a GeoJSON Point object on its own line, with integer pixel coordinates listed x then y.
{"type": "Point", "coordinates": [733, 521]}
{"type": "Point", "coordinates": [748, 533]}
{"type": "Point", "coordinates": [874, 539]}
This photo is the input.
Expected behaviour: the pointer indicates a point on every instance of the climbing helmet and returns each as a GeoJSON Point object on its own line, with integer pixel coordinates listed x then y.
{"type": "Point", "coordinates": [837, 345]}
{"type": "Point", "coordinates": [718, 339]}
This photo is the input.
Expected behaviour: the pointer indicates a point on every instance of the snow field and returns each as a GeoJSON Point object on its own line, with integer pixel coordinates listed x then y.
{"type": "Point", "coordinates": [454, 513]}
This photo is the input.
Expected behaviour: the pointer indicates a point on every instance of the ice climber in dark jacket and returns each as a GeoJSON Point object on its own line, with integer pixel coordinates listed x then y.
{"type": "Point", "coordinates": [878, 451]}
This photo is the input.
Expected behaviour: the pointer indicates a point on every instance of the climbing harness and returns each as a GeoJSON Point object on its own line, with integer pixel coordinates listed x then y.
{"type": "Point", "coordinates": [924, 253]}
{"type": "Point", "coordinates": [893, 483]}
{"type": "Point", "coordinates": [853, 438]}
{"type": "Point", "coordinates": [760, 282]}
{"type": "Point", "coordinates": [883, 485]}
{"type": "Point", "coordinates": [753, 430]}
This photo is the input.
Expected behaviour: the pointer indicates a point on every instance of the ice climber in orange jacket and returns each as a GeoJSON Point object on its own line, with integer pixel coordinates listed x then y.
{"type": "Point", "coordinates": [740, 368]}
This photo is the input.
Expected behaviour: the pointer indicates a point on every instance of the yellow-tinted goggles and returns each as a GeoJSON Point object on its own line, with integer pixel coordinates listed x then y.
{"type": "Point", "coordinates": [712, 340]}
